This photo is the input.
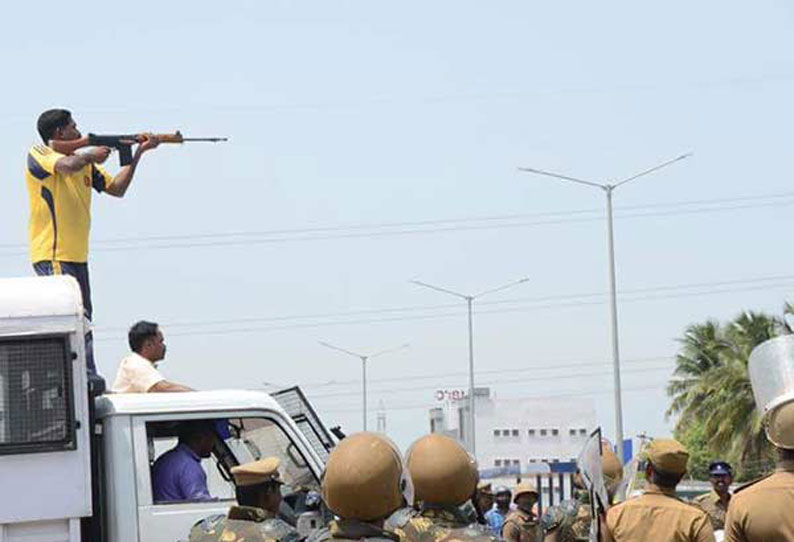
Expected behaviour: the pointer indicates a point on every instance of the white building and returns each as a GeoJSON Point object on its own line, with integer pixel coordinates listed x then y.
{"type": "Point", "coordinates": [525, 436]}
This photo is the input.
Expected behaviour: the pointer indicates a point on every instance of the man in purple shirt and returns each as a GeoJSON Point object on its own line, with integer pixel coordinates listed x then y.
{"type": "Point", "coordinates": [177, 475]}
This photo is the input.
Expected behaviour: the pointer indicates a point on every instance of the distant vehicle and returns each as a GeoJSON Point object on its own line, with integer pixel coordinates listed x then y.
{"type": "Point", "coordinates": [77, 470]}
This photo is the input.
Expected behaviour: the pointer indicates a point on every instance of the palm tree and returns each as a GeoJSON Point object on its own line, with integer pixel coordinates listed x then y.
{"type": "Point", "coordinates": [702, 349]}
{"type": "Point", "coordinates": [711, 390]}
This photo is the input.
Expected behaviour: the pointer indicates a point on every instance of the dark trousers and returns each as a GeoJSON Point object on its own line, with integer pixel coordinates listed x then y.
{"type": "Point", "coordinates": [78, 270]}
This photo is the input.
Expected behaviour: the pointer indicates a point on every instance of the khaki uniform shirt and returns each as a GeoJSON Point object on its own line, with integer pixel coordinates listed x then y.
{"type": "Point", "coordinates": [243, 524]}
{"type": "Point", "coordinates": [521, 526]}
{"type": "Point", "coordinates": [351, 529]}
{"type": "Point", "coordinates": [712, 505]}
{"type": "Point", "coordinates": [443, 524]}
{"type": "Point", "coordinates": [658, 516]}
{"type": "Point", "coordinates": [764, 510]}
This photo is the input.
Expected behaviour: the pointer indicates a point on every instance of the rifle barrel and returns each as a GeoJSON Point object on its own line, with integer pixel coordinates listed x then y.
{"type": "Point", "coordinates": [210, 139]}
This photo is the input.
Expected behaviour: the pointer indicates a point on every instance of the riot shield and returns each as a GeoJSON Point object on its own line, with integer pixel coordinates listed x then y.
{"type": "Point", "coordinates": [771, 368]}
{"type": "Point", "coordinates": [589, 463]}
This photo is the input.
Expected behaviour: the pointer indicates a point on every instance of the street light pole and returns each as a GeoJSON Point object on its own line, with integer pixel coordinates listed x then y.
{"type": "Point", "coordinates": [613, 326]}
{"type": "Point", "coordinates": [364, 391]}
{"type": "Point", "coordinates": [364, 359]}
{"type": "Point", "coordinates": [469, 302]}
{"type": "Point", "coordinates": [608, 189]}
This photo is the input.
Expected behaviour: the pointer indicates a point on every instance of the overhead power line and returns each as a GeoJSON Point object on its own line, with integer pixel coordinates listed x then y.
{"type": "Point", "coordinates": [432, 312]}
{"type": "Point", "coordinates": [422, 227]}
{"type": "Point", "coordinates": [526, 380]}
{"type": "Point", "coordinates": [550, 365]}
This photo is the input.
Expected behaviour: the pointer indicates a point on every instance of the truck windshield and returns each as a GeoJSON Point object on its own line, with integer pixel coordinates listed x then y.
{"type": "Point", "coordinates": [256, 438]}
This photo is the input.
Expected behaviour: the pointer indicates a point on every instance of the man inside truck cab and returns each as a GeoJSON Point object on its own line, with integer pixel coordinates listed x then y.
{"type": "Point", "coordinates": [138, 371]}
{"type": "Point", "coordinates": [177, 475]}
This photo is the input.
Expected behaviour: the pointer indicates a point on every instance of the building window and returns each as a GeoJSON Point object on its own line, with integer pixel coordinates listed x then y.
{"type": "Point", "coordinates": [572, 432]}
{"type": "Point", "coordinates": [497, 462]}
{"type": "Point", "coordinates": [531, 432]}
{"type": "Point", "coordinates": [543, 432]}
{"type": "Point", "coordinates": [555, 432]}
{"type": "Point", "coordinates": [555, 460]}
{"type": "Point", "coordinates": [515, 432]}
{"type": "Point", "coordinates": [496, 432]}
{"type": "Point", "coordinates": [533, 460]}
{"type": "Point", "coordinates": [516, 462]}
{"type": "Point", "coordinates": [583, 432]}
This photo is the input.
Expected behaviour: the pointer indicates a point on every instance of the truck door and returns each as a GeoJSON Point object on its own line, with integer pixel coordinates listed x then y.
{"type": "Point", "coordinates": [240, 438]}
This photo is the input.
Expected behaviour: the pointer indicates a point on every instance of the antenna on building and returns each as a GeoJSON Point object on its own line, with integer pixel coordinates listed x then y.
{"type": "Point", "coordinates": [381, 417]}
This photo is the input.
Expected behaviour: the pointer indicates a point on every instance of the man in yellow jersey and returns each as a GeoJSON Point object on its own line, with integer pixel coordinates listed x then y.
{"type": "Point", "coordinates": [60, 205]}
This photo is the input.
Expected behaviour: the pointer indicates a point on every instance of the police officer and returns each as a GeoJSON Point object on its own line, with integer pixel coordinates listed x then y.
{"type": "Point", "coordinates": [483, 501]}
{"type": "Point", "coordinates": [763, 511]}
{"type": "Point", "coordinates": [570, 520]}
{"type": "Point", "coordinates": [258, 488]}
{"type": "Point", "coordinates": [444, 477]}
{"type": "Point", "coordinates": [521, 524]}
{"type": "Point", "coordinates": [715, 502]}
{"type": "Point", "coordinates": [364, 482]}
{"type": "Point", "coordinates": [496, 515]}
{"type": "Point", "coordinates": [658, 514]}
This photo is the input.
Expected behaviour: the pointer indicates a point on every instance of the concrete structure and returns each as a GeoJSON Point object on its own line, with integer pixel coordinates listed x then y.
{"type": "Point", "coordinates": [523, 437]}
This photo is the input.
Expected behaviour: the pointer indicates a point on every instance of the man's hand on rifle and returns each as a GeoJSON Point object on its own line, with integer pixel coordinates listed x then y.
{"type": "Point", "coordinates": [150, 141]}
{"type": "Point", "coordinates": [97, 155]}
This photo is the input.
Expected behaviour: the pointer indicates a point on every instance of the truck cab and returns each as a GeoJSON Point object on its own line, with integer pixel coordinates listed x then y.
{"type": "Point", "coordinates": [77, 467]}
{"type": "Point", "coordinates": [139, 428]}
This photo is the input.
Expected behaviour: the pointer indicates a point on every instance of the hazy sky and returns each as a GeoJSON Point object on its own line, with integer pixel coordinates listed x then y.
{"type": "Point", "coordinates": [373, 143]}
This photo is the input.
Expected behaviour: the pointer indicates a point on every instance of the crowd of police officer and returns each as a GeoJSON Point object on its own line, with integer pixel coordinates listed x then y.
{"type": "Point", "coordinates": [433, 493]}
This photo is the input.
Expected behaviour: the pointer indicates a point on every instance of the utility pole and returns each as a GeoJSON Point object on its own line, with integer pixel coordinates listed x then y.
{"type": "Point", "coordinates": [381, 418]}
{"type": "Point", "coordinates": [608, 189]}
{"type": "Point", "coordinates": [469, 302]}
{"type": "Point", "coordinates": [364, 359]}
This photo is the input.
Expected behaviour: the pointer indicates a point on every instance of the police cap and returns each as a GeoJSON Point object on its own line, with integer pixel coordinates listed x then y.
{"type": "Point", "coordinates": [668, 455]}
{"type": "Point", "coordinates": [720, 468]}
{"type": "Point", "coordinates": [257, 472]}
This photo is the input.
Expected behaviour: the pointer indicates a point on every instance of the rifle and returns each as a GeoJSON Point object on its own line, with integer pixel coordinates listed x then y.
{"type": "Point", "coordinates": [124, 143]}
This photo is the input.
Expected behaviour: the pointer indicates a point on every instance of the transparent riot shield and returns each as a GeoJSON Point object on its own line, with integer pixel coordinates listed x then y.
{"type": "Point", "coordinates": [589, 463]}
{"type": "Point", "coordinates": [771, 368]}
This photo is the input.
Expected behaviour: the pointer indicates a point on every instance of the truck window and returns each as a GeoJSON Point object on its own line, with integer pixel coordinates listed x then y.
{"type": "Point", "coordinates": [256, 438]}
{"type": "Point", "coordinates": [219, 488]}
{"type": "Point", "coordinates": [236, 441]}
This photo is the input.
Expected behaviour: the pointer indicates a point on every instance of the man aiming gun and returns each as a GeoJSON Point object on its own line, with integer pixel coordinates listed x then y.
{"type": "Point", "coordinates": [60, 182]}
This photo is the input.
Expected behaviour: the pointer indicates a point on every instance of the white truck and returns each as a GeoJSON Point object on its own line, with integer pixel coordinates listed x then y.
{"type": "Point", "coordinates": [77, 467]}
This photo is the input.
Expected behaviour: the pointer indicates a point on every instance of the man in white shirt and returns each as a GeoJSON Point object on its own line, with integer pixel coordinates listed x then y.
{"type": "Point", "coordinates": [138, 372]}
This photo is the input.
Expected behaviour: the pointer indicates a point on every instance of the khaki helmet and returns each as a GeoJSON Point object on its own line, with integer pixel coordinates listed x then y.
{"type": "Point", "coordinates": [611, 467]}
{"type": "Point", "coordinates": [780, 426]}
{"type": "Point", "coordinates": [363, 478]}
{"type": "Point", "coordinates": [523, 489]}
{"type": "Point", "coordinates": [441, 470]}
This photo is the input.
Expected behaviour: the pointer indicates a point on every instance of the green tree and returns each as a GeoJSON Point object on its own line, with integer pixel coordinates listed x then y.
{"type": "Point", "coordinates": [711, 392]}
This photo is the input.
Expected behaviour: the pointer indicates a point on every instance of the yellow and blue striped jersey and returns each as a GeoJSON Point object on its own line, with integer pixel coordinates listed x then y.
{"type": "Point", "coordinates": [60, 206]}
